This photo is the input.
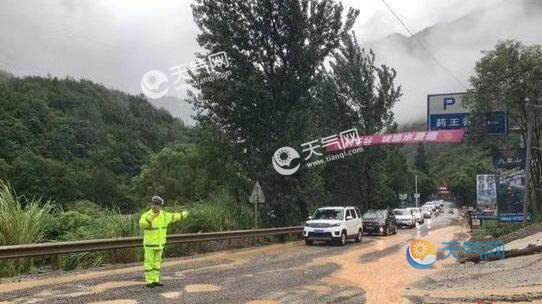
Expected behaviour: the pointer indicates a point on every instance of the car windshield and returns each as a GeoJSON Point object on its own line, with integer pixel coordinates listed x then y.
{"type": "Point", "coordinates": [328, 214]}
{"type": "Point", "coordinates": [375, 214]}
{"type": "Point", "coordinates": [401, 212]}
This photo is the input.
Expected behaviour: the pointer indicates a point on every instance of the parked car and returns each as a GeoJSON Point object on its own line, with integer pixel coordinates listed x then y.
{"type": "Point", "coordinates": [404, 218]}
{"type": "Point", "coordinates": [436, 205]}
{"type": "Point", "coordinates": [427, 211]}
{"type": "Point", "coordinates": [418, 215]}
{"type": "Point", "coordinates": [336, 224]}
{"type": "Point", "coordinates": [431, 205]}
{"type": "Point", "coordinates": [380, 222]}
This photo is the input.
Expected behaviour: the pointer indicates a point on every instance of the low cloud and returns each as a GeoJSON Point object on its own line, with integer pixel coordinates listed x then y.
{"type": "Point", "coordinates": [116, 42]}
{"type": "Point", "coordinates": [457, 45]}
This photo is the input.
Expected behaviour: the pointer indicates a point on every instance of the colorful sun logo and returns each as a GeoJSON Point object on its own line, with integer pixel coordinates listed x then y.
{"type": "Point", "coordinates": [421, 254]}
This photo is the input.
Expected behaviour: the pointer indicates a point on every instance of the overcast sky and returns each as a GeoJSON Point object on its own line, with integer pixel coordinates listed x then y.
{"type": "Point", "coordinates": [376, 21]}
{"type": "Point", "coordinates": [115, 42]}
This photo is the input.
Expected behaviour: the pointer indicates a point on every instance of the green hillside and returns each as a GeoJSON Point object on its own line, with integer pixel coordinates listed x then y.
{"type": "Point", "coordinates": [69, 139]}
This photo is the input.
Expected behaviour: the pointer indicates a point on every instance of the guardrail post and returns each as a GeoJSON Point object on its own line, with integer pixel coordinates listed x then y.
{"type": "Point", "coordinates": [55, 264]}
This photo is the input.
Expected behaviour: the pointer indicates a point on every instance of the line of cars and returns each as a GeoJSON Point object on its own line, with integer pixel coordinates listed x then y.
{"type": "Point", "coordinates": [338, 224]}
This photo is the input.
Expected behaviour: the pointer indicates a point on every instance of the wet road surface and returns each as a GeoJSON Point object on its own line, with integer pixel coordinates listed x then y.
{"type": "Point", "coordinates": [374, 271]}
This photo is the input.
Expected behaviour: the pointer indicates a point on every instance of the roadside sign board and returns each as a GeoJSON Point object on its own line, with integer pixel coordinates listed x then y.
{"type": "Point", "coordinates": [446, 112]}
{"type": "Point", "coordinates": [257, 196]}
{"type": "Point", "coordinates": [486, 190]}
{"type": "Point", "coordinates": [509, 158]}
{"type": "Point", "coordinates": [511, 190]}
{"type": "Point", "coordinates": [513, 217]}
{"type": "Point", "coordinates": [510, 164]}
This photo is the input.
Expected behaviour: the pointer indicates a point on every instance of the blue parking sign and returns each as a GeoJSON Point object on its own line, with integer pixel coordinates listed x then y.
{"type": "Point", "coordinates": [446, 112]}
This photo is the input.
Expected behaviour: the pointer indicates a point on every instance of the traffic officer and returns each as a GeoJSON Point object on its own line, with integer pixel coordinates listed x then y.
{"type": "Point", "coordinates": [154, 224]}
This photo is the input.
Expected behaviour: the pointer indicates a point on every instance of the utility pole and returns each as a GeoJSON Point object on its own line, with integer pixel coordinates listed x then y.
{"type": "Point", "coordinates": [255, 215]}
{"type": "Point", "coordinates": [417, 195]}
{"type": "Point", "coordinates": [528, 148]}
{"type": "Point", "coordinates": [528, 153]}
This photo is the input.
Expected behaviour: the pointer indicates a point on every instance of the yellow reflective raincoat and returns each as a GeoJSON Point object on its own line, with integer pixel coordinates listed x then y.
{"type": "Point", "coordinates": [154, 228]}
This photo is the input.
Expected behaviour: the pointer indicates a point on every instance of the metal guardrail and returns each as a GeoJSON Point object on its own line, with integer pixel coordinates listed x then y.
{"type": "Point", "coordinates": [46, 249]}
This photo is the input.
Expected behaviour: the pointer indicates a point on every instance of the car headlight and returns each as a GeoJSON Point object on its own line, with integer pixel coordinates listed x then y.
{"type": "Point", "coordinates": [334, 225]}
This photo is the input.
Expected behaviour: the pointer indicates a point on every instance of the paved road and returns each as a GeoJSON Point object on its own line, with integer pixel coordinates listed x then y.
{"type": "Point", "coordinates": [374, 271]}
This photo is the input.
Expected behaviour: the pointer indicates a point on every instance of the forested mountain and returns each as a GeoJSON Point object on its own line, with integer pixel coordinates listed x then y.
{"type": "Point", "coordinates": [69, 139]}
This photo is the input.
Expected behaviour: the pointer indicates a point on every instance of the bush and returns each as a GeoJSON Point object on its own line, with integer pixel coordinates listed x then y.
{"type": "Point", "coordinates": [22, 221]}
{"type": "Point", "coordinates": [220, 212]}
{"type": "Point", "coordinates": [108, 224]}
{"type": "Point", "coordinates": [85, 207]}
{"type": "Point", "coordinates": [496, 229]}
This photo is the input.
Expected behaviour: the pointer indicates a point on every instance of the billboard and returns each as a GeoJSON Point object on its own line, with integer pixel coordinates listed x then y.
{"type": "Point", "coordinates": [414, 137]}
{"type": "Point", "coordinates": [446, 112]}
{"type": "Point", "coordinates": [506, 159]}
{"type": "Point", "coordinates": [511, 188]}
{"type": "Point", "coordinates": [486, 191]}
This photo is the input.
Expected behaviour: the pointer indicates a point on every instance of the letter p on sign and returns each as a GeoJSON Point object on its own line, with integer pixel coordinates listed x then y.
{"type": "Point", "coordinates": [448, 101]}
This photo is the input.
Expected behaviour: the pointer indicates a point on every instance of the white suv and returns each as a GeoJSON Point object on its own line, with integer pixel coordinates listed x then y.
{"type": "Point", "coordinates": [405, 218]}
{"type": "Point", "coordinates": [418, 214]}
{"type": "Point", "coordinates": [334, 224]}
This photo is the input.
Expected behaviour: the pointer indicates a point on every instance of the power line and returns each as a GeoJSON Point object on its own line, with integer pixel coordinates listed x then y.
{"type": "Point", "coordinates": [423, 46]}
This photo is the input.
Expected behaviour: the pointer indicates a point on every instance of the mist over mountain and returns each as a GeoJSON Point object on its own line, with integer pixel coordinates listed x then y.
{"type": "Point", "coordinates": [176, 107]}
{"type": "Point", "coordinates": [457, 45]}
{"type": "Point", "coordinates": [115, 42]}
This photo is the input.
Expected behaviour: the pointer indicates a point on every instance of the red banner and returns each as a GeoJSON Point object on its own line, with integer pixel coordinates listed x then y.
{"type": "Point", "coordinates": [440, 136]}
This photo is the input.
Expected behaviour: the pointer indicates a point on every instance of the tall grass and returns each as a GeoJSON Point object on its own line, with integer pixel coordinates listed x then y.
{"type": "Point", "coordinates": [108, 224]}
{"type": "Point", "coordinates": [22, 221]}
{"type": "Point", "coordinates": [220, 212]}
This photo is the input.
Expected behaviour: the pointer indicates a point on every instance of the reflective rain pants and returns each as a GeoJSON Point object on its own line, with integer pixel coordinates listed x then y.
{"type": "Point", "coordinates": [153, 259]}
